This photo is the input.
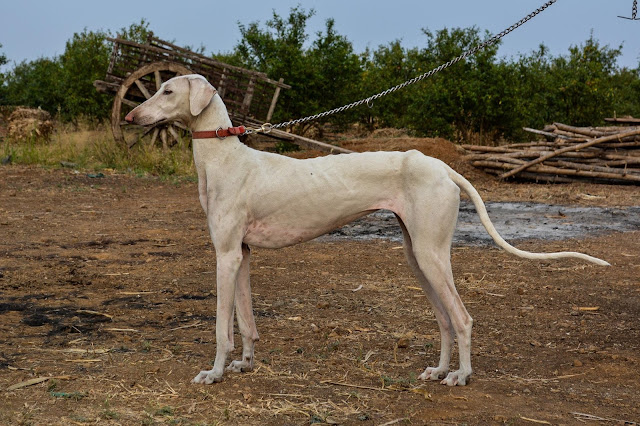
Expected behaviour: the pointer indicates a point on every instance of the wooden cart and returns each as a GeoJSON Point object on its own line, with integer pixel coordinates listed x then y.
{"type": "Point", "coordinates": [136, 72]}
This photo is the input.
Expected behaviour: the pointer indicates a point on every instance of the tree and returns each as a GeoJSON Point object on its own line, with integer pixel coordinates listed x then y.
{"type": "Point", "coordinates": [487, 98]}
{"type": "Point", "coordinates": [321, 77]}
{"type": "Point", "coordinates": [583, 80]}
{"type": "Point", "coordinates": [626, 89]}
{"type": "Point", "coordinates": [3, 57]}
{"type": "Point", "coordinates": [387, 67]}
{"type": "Point", "coordinates": [85, 59]}
{"type": "Point", "coordinates": [482, 97]}
{"type": "Point", "coordinates": [64, 85]}
{"type": "Point", "coordinates": [464, 99]}
{"type": "Point", "coordinates": [136, 32]}
{"type": "Point", "coordinates": [35, 84]}
{"type": "Point", "coordinates": [336, 73]}
{"type": "Point", "coordinates": [278, 51]}
{"type": "Point", "coordinates": [3, 61]}
{"type": "Point", "coordinates": [460, 100]}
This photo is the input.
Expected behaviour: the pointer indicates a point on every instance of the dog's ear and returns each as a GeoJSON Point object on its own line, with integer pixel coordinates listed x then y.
{"type": "Point", "coordinates": [200, 94]}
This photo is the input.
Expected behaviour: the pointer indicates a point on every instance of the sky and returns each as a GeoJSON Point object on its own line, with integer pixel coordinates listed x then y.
{"type": "Point", "coordinates": [32, 29]}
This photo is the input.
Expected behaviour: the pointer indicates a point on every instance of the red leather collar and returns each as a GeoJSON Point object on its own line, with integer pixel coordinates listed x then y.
{"type": "Point", "coordinates": [220, 133]}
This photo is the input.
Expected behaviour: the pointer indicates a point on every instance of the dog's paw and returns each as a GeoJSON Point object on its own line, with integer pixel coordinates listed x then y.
{"type": "Point", "coordinates": [240, 366]}
{"type": "Point", "coordinates": [207, 377]}
{"type": "Point", "coordinates": [434, 373]}
{"type": "Point", "coordinates": [457, 378]}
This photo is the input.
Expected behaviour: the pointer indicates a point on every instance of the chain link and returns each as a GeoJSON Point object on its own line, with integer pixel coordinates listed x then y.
{"type": "Point", "coordinates": [634, 12]}
{"type": "Point", "coordinates": [369, 101]}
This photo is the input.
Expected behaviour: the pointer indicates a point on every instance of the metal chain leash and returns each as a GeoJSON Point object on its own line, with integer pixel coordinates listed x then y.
{"type": "Point", "coordinates": [267, 127]}
{"type": "Point", "coordinates": [634, 12]}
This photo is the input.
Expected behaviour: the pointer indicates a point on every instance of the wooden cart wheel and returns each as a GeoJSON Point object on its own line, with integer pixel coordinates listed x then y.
{"type": "Point", "coordinates": [139, 86]}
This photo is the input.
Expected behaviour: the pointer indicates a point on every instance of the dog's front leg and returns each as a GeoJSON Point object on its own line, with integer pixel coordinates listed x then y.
{"type": "Point", "coordinates": [202, 190]}
{"type": "Point", "coordinates": [228, 266]}
{"type": "Point", "coordinates": [244, 314]}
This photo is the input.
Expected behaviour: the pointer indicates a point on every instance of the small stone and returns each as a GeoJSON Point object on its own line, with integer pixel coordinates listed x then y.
{"type": "Point", "coordinates": [315, 328]}
{"type": "Point", "coordinates": [577, 363]}
{"type": "Point", "coordinates": [403, 342]}
{"type": "Point", "coordinates": [323, 304]}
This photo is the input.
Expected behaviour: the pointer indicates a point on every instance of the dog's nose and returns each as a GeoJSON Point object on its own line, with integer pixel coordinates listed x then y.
{"type": "Point", "coordinates": [129, 118]}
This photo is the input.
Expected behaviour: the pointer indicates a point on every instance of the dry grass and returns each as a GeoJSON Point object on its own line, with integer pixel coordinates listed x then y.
{"type": "Point", "coordinates": [90, 147]}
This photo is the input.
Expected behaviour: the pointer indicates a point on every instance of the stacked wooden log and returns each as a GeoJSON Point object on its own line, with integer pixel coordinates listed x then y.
{"type": "Point", "coordinates": [569, 154]}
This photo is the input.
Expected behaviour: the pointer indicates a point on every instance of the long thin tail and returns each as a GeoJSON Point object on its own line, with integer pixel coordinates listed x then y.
{"type": "Point", "coordinates": [466, 186]}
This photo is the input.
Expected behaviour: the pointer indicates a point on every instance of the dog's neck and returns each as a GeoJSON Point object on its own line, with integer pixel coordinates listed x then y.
{"type": "Point", "coordinates": [215, 151]}
{"type": "Point", "coordinates": [213, 117]}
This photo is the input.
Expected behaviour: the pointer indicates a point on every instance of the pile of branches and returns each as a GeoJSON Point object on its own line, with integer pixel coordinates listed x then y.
{"type": "Point", "coordinates": [569, 154]}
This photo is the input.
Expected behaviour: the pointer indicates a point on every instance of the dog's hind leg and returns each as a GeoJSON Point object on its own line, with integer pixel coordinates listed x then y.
{"type": "Point", "coordinates": [430, 222]}
{"type": "Point", "coordinates": [437, 271]}
{"type": "Point", "coordinates": [244, 314]}
{"type": "Point", "coordinates": [447, 334]}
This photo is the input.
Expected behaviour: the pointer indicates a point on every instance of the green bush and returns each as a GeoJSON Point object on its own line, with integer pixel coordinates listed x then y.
{"type": "Point", "coordinates": [3, 61]}
{"type": "Point", "coordinates": [84, 60]}
{"type": "Point", "coordinates": [325, 75]}
{"type": "Point", "coordinates": [64, 85]}
{"type": "Point", "coordinates": [487, 98]}
{"type": "Point", "coordinates": [35, 84]}
{"type": "Point", "coordinates": [481, 99]}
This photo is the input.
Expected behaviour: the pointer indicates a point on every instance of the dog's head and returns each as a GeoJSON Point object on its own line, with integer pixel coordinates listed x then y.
{"type": "Point", "coordinates": [179, 99]}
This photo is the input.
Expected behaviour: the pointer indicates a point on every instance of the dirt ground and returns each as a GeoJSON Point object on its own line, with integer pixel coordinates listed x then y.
{"type": "Point", "coordinates": [107, 304]}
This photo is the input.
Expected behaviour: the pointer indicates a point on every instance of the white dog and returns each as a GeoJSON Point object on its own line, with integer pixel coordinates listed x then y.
{"type": "Point", "coordinates": [267, 200]}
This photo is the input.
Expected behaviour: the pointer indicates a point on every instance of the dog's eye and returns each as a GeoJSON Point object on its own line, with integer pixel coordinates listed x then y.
{"type": "Point", "coordinates": [167, 92]}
